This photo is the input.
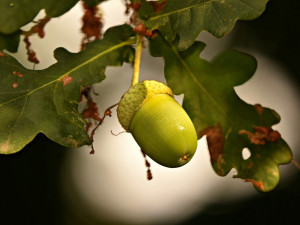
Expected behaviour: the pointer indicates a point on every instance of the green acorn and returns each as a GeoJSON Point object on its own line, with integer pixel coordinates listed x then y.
{"type": "Point", "coordinates": [158, 123]}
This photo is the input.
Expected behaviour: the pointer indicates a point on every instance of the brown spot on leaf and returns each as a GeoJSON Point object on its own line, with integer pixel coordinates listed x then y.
{"type": "Point", "coordinates": [258, 184]}
{"type": "Point", "coordinates": [259, 108]}
{"type": "Point", "coordinates": [215, 141]}
{"type": "Point", "coordinates": [5, 146]}
{"type": "Point", "coordinates": [15, 85]}
{"type": "Point", "coordinates": [18, 74]}
{"type": "Point", "coordinates": [220, 161]}
{"type": "Point", "coordinates": [158, 5]}
{"type": "Point", "coordinates": [67, 80]}
{"type": "Point", "coordinates": [2, 55]}
{"type": "Point", "coordinates": [262, 135]}
{"type": "Point", "coordinates": [250, 165]}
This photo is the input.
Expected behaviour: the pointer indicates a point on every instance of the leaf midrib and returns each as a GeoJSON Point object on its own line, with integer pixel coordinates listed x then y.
{"type": "Point", "coordinates": [196, 81]}
{"type": "Point", "coordinates": [120, 45]}
{"type": "Point", "coordinates": [197, 5]}
{"type": "Point", "coordinates": [178, 11]}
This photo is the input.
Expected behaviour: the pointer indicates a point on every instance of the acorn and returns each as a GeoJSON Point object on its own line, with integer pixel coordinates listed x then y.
{"type": "Point", "coordinates": [158, 123]}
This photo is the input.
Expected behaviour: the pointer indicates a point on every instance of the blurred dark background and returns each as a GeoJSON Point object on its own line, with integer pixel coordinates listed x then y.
{"type": "Point", "coordinates": [29, 184]}
{"type": "Point", "coordinates": [276, 33]}
{"type": "Point", "coordinates": [30, 180]}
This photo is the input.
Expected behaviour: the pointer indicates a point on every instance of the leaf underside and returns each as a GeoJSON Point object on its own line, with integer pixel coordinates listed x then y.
{"type": "Point", "coordinates": [189, 17]}
{"type": "Point", "coordinates": [33, 101]}
{"type": "Point", "coordinates": [218, 112]}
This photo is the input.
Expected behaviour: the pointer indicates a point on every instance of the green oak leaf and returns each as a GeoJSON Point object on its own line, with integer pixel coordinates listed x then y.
{"type": "Point", "coordinates": [189, 17]}
{"type": "Point", "coordinates": [46, 101]}
{"type": "Point", "coordinates": [10, 42]}
{"type": "Point", "coordinates": [229, 123]}
{"type": "Point", "coordinates": [93, 2]}
{"type": "Point", "coordinates": [17, 13]}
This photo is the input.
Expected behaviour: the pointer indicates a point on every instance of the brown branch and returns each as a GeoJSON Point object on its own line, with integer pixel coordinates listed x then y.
{"type": "Point", "coordinates": [38, 28]}
{"type": "Point", "coordinates": [91, 24]}
{"type": "Point", "coordinates": [117, 133]}
{"type": "Point", "coordinates": [106, 113]}
{"type": "Point", "coordinates": [147, 164]}
{"type": "Point", "coordinates": [297, 164]}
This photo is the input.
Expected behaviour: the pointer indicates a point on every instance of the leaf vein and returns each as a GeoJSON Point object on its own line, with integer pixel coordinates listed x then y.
{"type": "Point", "coordinates": [111, 49]}
{"type": "Point", "coordinates": [247, 4]}
{"type": "Point", "coordinates": [177, 11]}
{"type": "Point", "coordinates": [217, 14]}
{"type": "Point", "coordinates": [54, 97]}
{"type": "Point", "coordinates": [18, 118]}
{"type": "Point", "coordinates": [194, 78]}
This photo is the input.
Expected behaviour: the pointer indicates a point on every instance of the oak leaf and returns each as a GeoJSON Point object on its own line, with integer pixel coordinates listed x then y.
{"type": "Point", "coordinates": [229, 123]}
{"type": "Point", "coordinates": [46, 101]}
{"type": "Point", "coordinates": [189, 17]}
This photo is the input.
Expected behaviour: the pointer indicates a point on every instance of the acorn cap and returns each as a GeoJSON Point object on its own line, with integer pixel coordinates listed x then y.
{"type": "Point", "coordinates": [136, 96]}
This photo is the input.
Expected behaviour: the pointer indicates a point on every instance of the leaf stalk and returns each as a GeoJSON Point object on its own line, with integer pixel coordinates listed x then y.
{"type": "Point", "coordinates": [137, 59]}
